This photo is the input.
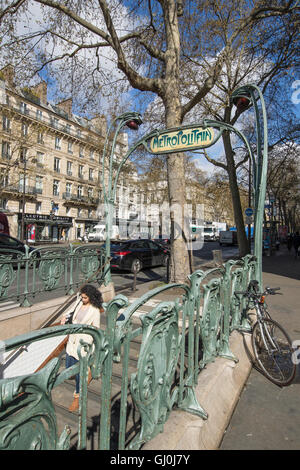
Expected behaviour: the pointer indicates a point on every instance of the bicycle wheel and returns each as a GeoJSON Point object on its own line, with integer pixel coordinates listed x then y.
{"type": "Point", "coordinates": [273, 351]}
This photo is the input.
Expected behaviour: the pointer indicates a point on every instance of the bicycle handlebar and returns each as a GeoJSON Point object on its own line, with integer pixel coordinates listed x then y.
{"type": "Point", "coordinates": [268, 290]}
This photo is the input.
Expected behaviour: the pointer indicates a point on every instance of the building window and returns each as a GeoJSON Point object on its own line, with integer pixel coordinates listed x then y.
{"type": "Point", "coordinates": [6, 150]}
{"type": "Point", "coordinates": [79, 190]}
{"type": "Point", "coordinates": [91, 177]}
{"type": "Point", "coordinates": [69, 168]}
{"type": "Point", "coordinates": [3, 203]}
{"type": "Point", "coordinates": [24, 129]}
{"type": "Point", "coordinates": [90, 193]}
{"type": "Point", "coordinates": [79, 212]}
{"type": "Point", "coordinates": [40, 138]}
{"type": "Point", "coordinates": [68, 189]}
{"type": "Point", "coordinates": [4, 178]}
{"type": "Point", "coordinates": [57, 143]}
{"type": "Point", "coordinates": [6, 124]}
{"type": "Point", "coordinates": [68, 128]}
{"type": "Point", "coordinates": [40, 159]}
{"type": "Point", "coordinates": [23, 155]}
{"type": "Point", "coordinates": [68, 210]}
{"type": "Point", "coordinates": [80, 171]}
{"type": "Point", "coordinates": [23, 183]}
{"type": "Point", "coordinates": [39, 115]}
{"type": "Point", "coordinates": [81, 152]}
{"type": "Point", "coordinates": [38, 207]}
{"type": "Point", "coordinates": [78, 132]}
{"type": "Point", "coordinates": [55, 188]}
{"type": "Point", "coordinates": [23, 108]}
{"type": "Point", "coordinates": [39, 184]}
{"type": "Point", "coordinates": [70, 147]}
{"type": "Point", "coordinates": [57, 165]}
{"type": "Point", "coordinates": [92, 156]}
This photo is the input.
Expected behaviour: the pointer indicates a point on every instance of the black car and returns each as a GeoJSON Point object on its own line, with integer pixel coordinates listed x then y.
{"type": "Point", "coordinates": [10, 243]}
{"type": "Point", "coordinates": [165, 242]}
{"type": "Point", "coordinates": [134, 255]}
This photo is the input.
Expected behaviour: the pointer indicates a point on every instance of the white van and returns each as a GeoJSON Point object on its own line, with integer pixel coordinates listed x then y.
{"type": "Point", "coordinates": [98, 233]}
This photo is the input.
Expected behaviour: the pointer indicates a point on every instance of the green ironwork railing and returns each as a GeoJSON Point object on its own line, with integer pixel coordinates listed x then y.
{"type": "Point", "coordinates": [178, 338]}
{"type": "Point", "coordinates": [25, 275]}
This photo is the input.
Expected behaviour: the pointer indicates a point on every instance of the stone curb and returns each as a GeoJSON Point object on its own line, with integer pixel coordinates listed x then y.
{"type": "Point", "coordinates": [219, 387]}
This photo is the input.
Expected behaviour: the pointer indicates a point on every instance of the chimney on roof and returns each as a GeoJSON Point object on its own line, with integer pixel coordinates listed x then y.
{"type": "Point", "coordinates": [41, 91]}
{"type": "Point", "coordinates": [100, 123]}
{"type": "Point", "coordinates": [66, 105]}
{"type": "Point", "coordinates": [8, 74]}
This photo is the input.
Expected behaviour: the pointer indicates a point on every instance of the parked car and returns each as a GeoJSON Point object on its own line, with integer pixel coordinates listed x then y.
{"type": "Point", "coordinates": [10, 243]}
{"type": "Point", "coordinates": [165, 242]}
{"type": "Point", "coordinates": [134, 255]}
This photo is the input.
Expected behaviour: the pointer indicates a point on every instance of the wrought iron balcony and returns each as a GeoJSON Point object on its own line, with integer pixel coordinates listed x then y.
{"type": "Point", "coordinates": [77, 198]}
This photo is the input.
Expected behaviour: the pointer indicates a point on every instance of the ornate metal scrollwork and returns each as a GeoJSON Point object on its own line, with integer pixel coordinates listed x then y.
{"type": "Point", "coordinates": [236, 302]}
{"type": "Point", "coordinates": [50, 272]}
{"type": "Point", "coordinates": [88, 261]}
{"type": "Point", "coordinates": [151, 386]}
{"type": "Point", "coordinates": [210, 322]}
{"type": "Point", "coordinates": [27, 415]}
{"type": "Point", "coordinates": [7, 276]}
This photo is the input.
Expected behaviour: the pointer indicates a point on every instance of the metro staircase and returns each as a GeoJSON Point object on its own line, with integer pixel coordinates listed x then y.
{"type": "Point", "coordinates": [62, 397]}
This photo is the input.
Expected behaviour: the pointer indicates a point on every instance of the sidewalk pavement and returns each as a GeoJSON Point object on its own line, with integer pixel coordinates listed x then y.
{"type": "Point", "coordinates": [267, 417]}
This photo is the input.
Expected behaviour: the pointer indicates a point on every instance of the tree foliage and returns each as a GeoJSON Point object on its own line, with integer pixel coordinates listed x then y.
{"type": "Point", "coordinates": [178, 52]}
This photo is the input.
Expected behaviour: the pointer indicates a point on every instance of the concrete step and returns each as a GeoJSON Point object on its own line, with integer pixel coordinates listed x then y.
{"type": "Point", "coordinates": [62, 397]}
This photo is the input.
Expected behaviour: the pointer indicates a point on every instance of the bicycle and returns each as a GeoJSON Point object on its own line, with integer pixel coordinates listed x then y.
{"type": "Point", "coordinates": [271, 344]}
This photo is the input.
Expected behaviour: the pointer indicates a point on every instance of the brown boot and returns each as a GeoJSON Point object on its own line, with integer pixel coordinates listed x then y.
{"type": "Point", "coordinates": [75, 403]}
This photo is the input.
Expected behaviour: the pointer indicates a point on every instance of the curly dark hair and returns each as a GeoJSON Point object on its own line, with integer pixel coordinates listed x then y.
{"type": "Point", "coordinates": [93, 294]}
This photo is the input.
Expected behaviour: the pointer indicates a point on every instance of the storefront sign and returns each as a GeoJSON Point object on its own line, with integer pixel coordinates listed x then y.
{"type": "Point", "coordinates": [182, 140]}
{"type": "Point", "coordinates": [46, 218]}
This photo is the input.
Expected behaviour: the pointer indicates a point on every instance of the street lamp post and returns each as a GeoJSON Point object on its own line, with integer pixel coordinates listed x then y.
{"type": "Point", "coordinates": [243, 97]}
{"type": "Point", "coordinates": [133, 121]}
{"type": "Point", "coordinates": [23, 199]}
{"type": "Point", "coordinates": [160, 143]}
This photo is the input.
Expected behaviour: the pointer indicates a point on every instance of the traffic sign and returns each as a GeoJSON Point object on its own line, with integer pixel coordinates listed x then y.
{"type": "Point", "coordinates": [249, 211]}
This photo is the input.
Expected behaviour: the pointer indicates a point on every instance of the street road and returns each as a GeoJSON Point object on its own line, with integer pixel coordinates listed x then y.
{"type": "Point", "coordinates": [124, 280]}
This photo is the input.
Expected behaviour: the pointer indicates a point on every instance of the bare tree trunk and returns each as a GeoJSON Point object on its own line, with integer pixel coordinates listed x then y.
{"type": "Point", "coordinates": [236, 201]}
{"type": "Point", "coordinates": [179, 265]}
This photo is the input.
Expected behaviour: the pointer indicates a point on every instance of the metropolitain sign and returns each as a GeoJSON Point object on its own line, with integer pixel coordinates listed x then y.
{"type": "Point", "coordinates": [182, 139]}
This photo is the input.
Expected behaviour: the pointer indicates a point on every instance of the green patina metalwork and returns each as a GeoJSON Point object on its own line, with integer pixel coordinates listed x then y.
{"type": "Point", "coordinates": [24, 275]}
{"type": "Point", "coordinates": [150, 142]}
{"type": "Point", "coordinates": [179, 337]}
{"type": "Point", "coordinates": [27, 415]}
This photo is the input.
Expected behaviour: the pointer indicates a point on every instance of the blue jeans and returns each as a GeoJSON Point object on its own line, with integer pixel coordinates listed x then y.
{"type": "Point", "coordinates": [70, 361]}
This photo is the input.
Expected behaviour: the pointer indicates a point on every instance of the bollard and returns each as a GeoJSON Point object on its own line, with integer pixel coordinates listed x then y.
{"type": "Point", "coordinates": [217, 256]}
{"type": "Point", "coordinates": [134, 279]}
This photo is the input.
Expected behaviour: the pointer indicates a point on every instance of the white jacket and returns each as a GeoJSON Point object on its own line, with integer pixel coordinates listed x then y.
{"type": "Point", "coordinates": [91, 317]}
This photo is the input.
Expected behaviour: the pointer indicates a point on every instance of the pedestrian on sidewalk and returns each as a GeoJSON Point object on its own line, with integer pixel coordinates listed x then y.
{"type": "Point", "coordinates": [296, 243]}
{"type": "Point", "coordinates": [87, 311]}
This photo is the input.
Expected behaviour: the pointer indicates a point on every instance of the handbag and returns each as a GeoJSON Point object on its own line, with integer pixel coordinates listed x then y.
{"type": "Point", "coordinates": [69, 318]}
